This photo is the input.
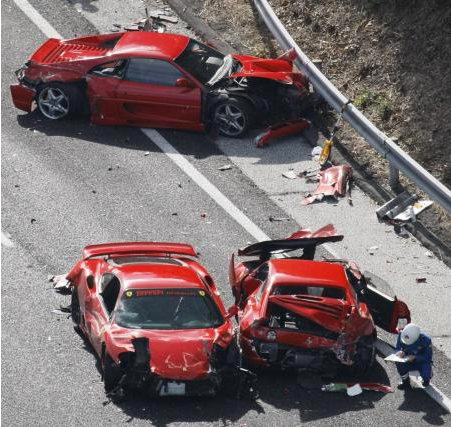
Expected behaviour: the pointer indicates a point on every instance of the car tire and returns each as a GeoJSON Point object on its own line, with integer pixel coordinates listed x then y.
{"type": "Point", "coordinates": [233, 118]}
{"type": "Point", "coordinates": [112, 373]}
{"type": "Point", "coordinates": [58, 101]}
{"type": "Point", "coordinates": [75, 309]}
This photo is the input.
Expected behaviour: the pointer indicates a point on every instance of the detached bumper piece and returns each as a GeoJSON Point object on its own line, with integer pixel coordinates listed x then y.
{"type": "Point", "coordinates": [22, 96]}
{"type": "Point", "coordinates": [281, 130]}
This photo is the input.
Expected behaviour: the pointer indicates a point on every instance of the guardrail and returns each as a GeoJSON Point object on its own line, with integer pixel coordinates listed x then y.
{"type": "Point", "coordinates": [377, 139]}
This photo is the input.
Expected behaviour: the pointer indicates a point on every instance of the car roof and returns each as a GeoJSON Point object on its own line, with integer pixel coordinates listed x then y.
{"type": "Point", "coordinates": [151, 44]}
{"type": "Point", "coordinates": [155, 275]}
{"type": "Point", "coordinates": [299, 271]}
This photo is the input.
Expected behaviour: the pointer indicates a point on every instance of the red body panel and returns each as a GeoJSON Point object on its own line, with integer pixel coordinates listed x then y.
{"type": "Point", "coordinates": [281, 130]}
{"type": "Point", "coordinates": [176, 354]}
{"type": "Point", "coordinates": [22, 96]}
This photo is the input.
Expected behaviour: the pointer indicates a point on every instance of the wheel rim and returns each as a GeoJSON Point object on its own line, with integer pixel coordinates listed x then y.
{"type": "Point", "coordinates": [53, 103]}
{"type": "Point", "coordinates": [230, 119]}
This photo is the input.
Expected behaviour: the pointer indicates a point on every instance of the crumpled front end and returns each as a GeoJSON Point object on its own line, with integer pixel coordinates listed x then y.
{"type": "Point", "coordinates": [307, 335]}
{"type": "Point", "coordinates": [179, 371]}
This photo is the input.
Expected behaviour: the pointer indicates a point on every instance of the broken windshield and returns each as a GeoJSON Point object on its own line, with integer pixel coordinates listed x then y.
{"type": "Point", "coordinates": [167, 309]}
{"type": "Point", "coordinates": [200, 60]}
{"type": "Point", "coordinates": [317, 291]}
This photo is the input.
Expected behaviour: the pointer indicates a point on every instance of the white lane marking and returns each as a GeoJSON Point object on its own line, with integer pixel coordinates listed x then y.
{"type": "Point", "coordinates": [432, 391]}
{"type": "Point", "coordinates": [205, 184]}
{"type": "Point", "coordinates": [37, 19]}
{"type": "Point", "coordinates": [6, 241]}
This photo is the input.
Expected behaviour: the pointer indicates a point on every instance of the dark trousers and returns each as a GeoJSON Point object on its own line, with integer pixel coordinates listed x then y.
{"type": "Point", "coordinates": [425, 369]}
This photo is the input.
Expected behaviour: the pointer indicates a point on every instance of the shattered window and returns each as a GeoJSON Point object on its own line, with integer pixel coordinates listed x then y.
{"type": "Point", "coordinates": [167, 309]}
{"type": "Point", "coordinates": [152, 71]}
{"type": "Point", "coordinates": [200, 61]}
{"type": "Point", "coordinates": [317, 291]}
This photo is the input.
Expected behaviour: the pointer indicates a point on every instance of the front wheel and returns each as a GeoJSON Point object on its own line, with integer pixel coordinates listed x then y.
{"type": "Point", "coordinates": [233, 118]}
{"type": "Point", "coordinates": [58, 101]}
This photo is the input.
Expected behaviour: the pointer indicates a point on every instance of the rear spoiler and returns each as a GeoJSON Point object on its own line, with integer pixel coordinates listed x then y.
{"type": "Point", "coordinates": [138, 248]}
{"type": "Point", "coordinates": [302, 239]}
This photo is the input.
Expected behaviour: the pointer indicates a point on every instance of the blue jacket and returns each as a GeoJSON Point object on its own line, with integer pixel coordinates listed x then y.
{"type": "Point", "coordinates": [421, 348]}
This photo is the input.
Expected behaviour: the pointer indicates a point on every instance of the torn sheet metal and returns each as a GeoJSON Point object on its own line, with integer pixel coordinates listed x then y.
{"type": "Point", "coordinates": [352, 388]}
{"type": "Point", "coordinates": [281, 130]}
{"type": "Point", "coordinates": [332, 182]}
{"type": "Point", "coordinates": [395, 206]}
{"type": "Point", "coordinates": [60, 283]}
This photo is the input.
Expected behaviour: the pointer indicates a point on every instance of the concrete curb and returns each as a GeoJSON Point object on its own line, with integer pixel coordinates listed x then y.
{"type": "Point", "coordinates": [432, 391]}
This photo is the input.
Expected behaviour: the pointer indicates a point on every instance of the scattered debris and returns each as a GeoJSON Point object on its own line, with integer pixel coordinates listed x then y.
{"type": "Point", "coordinates": [277, 219]}
{"type": "Point", "coordinates": [316, 152]}
{"type": "Point", "coordinates": [403, 208]}
{"type": "Point", "coordinates": [61, 284]}
{"type": "Point", "coordinates": [353, 389]}
{"type": "Point", "coordinates": [33, 220]}
{"type": "Point", "coordinates": [117, 25]}
{"type": "Point", "coordinates": [290, 174]}
{"type": "Point", "coordinates": [174, 213]}
{"type": "Point", "coordinates": [400, 230]}
{"type": "Point", "coordinates": [421, 279]}
{"type": "Point", "coordinates": [203, 215]}
{"type": "Point", "coordinates": [147, 153]}
{"type": "Point", "coordinates": [225, 168]}
{"type": "Point", "coordinates": [429, 254]}
{"type": "Point", "coordinates": [372, 250]}
{"type": "Point", "coordinates": [281, 130]}
{"type": "Point", "coordinates": [333, 182]}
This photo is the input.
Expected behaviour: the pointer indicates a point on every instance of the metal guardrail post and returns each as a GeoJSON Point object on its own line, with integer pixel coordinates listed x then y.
{"type": "Point", "coordinates": [394, 182]}
{"type": "Point", "coordinates": [376, 138]}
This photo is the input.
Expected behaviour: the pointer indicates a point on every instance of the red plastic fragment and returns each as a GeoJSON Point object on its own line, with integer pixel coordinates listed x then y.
{"type": "Point", "coordinates": [281, 130]}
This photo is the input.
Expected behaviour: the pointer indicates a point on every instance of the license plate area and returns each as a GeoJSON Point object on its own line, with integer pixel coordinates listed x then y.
{"type": "Point", "coordinates": [173, 388]}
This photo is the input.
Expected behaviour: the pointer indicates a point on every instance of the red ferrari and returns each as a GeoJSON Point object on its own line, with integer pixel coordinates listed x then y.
{"type": "Point", "coordinates": [155, 319]}
{"type": "Point", "coordinates": [317, 315]}
{"type": "Point", "coordinates": [159, 80]}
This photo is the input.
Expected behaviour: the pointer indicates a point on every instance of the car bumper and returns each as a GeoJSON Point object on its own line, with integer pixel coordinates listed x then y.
{"type": "Point", "coordinates": [22, 96]}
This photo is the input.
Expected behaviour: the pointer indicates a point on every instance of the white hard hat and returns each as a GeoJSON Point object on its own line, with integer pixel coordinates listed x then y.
{"type": "Point", "coordinates": [410, 334]}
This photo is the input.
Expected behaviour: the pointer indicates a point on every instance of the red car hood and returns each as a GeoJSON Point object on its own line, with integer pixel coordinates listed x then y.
{"type": "Point", "coordinates": [330, 313]}
{"type": "Point", "coordinates": [174, 354]}
{"type": "Point", "coordinates": [275, 69]}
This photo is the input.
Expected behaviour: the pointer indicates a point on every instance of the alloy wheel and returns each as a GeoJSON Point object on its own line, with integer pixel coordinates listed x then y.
{"type": "Point", "coordinates": [53, 103]}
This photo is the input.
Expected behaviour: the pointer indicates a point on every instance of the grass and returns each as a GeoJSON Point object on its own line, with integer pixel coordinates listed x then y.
{"type": "Point", "coordinates": [374, 103]}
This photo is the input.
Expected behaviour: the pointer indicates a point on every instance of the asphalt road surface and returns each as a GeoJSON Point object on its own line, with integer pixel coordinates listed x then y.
{"type": "Point", "coordinates": [69, 184]}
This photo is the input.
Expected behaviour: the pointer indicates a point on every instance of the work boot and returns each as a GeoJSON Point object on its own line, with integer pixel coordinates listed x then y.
{"type": "Point", "coordinates": [426, 383]}
{"type": "Point", "coordinates": [404, 384]}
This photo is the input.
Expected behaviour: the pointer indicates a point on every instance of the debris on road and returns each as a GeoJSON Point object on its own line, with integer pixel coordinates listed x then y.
{"type": "Point", "coordinates": [225, 168]}
{"type": "Point", "coordinates": [203, 215]}
{"type": "Point", "coordinates": [316, 152]}
{"type": "Point", "coordinates": [421, 279]}
{"type": "Point", "coordinates": [278, 219]}
{"type": "Point", "coordinates": [333, 181]}
{"type": "Point", "coordinates": [281, 130]}
{"type": "Point", "coordinates": [372, 250]}
{"type": "Point", "coordinates": [429, 254]}
{"type": "Point", "coordinates": [33, 220]}
{"type": "Point", "coordinates": [61, 284]}
{"type": "Point", "coordinates": [404, 207]}
{"type": "Point", "coordinates": [290, 174]}
{"type": "Point", "coordinates": [147, 153]}
{"type": "Point", "coordinates": [353, 389]}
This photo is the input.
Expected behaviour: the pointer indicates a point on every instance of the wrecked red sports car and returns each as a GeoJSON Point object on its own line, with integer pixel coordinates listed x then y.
{"type": "Point", "coordinates": [159, 80]}
{"type": "Point", "coordinates": [155, 319]}
{"type": "Point", "coordinates": [298, 313]}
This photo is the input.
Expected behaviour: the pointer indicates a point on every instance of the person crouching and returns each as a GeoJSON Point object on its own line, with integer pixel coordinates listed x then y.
{"type": "Point", "coordinates": [416, 346]}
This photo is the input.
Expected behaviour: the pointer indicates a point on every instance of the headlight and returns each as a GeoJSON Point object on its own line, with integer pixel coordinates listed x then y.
{"type": "Point", "coordinates": [271, 336]}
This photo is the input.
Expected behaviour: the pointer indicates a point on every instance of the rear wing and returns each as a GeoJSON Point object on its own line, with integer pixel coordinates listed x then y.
{"type": "Point", "coordinates": [137, 248]}
{"type": "Point", "coordinates": [302, 239]}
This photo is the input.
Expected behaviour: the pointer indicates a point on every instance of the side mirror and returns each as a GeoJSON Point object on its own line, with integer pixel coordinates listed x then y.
{"type": "Point", "coordinates": [232, 311]}
{"type": "Point", "coordinates": [182, 82]}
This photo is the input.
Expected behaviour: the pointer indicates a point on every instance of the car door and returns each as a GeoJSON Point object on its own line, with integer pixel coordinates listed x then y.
{"type": "Point", "coordinates": [255, 279]}
{"type": "Point", "coordinates": [155, 93]}
{"type": "Point", "coordinates": [387, 311]}
{"type": "Point", "coordinates": [102, 82]}
{"type": "Point", "coordinates": [102, 307]}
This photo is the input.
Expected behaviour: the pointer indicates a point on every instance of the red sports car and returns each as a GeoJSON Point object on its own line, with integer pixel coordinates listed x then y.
{"type": "Point", "coordinates": [298, 313]}
{"type": "Point", "coordinates": [155, 319]}
{"type": "Point", "coordinates": [159, 80]}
